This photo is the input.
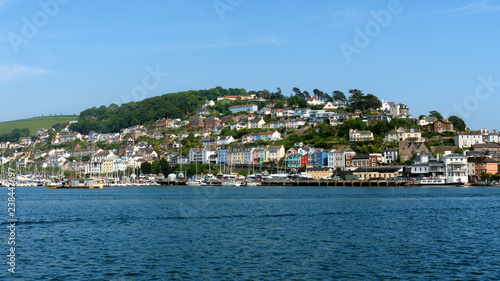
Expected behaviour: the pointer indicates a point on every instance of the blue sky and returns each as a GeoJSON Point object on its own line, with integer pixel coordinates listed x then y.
{"type": "Point", "coordinates": [63, 56]}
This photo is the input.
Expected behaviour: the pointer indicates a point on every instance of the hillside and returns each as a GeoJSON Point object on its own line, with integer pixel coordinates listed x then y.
{"type": "Point", "coordinates": [35, 123]}
{"type": "Point", "coordinates": [173, 105]}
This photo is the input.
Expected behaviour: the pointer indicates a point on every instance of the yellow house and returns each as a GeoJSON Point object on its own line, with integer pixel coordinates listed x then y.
{"type": "Point", "coordinates": [107, 167]}
{"type": "Point", "coordinates": [275, 153]}
{"type": "Point", "coordinates": [403, 134]}
{"type": "Point", "coordinates": [236, 156]}
{"type": "Point", "coordinates": [318, 173]}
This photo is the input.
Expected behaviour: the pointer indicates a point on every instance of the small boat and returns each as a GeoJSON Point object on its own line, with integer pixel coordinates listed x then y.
{"type": "Point", "coordinates": [194, 182]}
{"type": "Point", "coordinates": [439, 182]}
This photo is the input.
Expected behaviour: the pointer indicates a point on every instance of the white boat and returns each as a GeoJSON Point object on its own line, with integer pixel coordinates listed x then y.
{"type": "Point", "coordinates": [230, 182]}
{"type": "Point", "coordinates": [194, 182]}
{"type": "Point", "coordinates": [438, 182]}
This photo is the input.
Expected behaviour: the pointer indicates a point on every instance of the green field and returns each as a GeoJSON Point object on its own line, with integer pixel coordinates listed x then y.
{"type": "Point", "coordinates": [35, 123]}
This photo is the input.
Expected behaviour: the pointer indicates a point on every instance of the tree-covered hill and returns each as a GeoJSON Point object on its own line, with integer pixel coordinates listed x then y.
{"type": "Point", "coordinates": [112, 118]}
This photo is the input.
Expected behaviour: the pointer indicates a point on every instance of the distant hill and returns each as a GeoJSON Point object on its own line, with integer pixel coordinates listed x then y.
{"type": "Point", "coordinates": [35, 123]}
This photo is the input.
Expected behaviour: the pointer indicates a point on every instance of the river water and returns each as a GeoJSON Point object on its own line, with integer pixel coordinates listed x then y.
{"type": "Point", "coordinates": [254, 233]}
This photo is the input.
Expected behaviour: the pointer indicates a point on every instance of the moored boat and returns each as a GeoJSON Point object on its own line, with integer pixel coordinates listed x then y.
{"type": "Point", "coordinates": [76, 183]}
{"type": "Point", "coordinates": [438, 182]}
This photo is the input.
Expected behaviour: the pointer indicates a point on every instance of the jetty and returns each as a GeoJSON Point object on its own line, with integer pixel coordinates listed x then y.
{"type": "Point", "coordinates": [369, 183]}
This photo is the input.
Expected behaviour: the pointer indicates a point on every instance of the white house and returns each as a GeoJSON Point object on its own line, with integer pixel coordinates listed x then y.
{"type": "Point", "coordinates": [208, 153]}
{"type": "Point", "coordinates": [335, 105]}
{"type": "Point", "coordinates": [314, 100]}
{"type": "Point", "coordinates": [331, 158]}
{"type": "Point", "coordinates": [302, 112]}
{"type": "Point", "coordinates": [426, 120]}
{"type": "Point", "coordinates": [468, 139]}
{"type": "Point", "coordinates": [196, 155]}
{"type": "Point", "coordinates": [224, 140]}
{"type": "Point", "coordinates": [395, 109]}
{"type": "Point", "coordinates": [456, 168]}
{"type": "Point", "coordinates": [491, 137]}
{"type": "Point", "coordinates": [208, 103]}
{"type": "Point", "coordinates": [389, 156]}
{"type": "Point", "coordinates": [355, 135]}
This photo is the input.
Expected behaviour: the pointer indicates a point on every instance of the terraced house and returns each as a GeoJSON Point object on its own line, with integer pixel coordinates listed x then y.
{"type": "Point", "coordinates": [275, 153]}
{"type": "Point", "coordinates": [264, 136]}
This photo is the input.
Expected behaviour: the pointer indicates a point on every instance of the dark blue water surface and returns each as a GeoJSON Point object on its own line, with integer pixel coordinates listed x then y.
{"type": "Point", "coordinates": [255, 233]}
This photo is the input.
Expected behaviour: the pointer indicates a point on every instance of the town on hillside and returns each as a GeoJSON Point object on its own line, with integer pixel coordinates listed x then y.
{"type": "Point", "coordinates": [313, 137]}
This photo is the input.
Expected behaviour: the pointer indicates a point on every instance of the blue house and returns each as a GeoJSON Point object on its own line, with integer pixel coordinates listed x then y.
{"type": "Point", "coordinates": [319, 158]}
{"type": "Point", "coordinates": [293, 161]}
{"type": "Point", "coordinates": [222, 156]}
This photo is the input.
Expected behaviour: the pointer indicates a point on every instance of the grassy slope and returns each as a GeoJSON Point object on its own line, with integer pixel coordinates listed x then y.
{"type": "Point", "coordinates": [35, 123]}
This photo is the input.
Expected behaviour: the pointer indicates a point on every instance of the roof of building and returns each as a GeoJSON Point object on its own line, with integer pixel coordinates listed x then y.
{"type": "Point", "coordinates": [361, 156]}
{"type": "Point", "coordinates": [486, 145]}
{"type": "Point", "coordinates": [378, 169]}
{"type": "Point", "coordinates": [442, 149]}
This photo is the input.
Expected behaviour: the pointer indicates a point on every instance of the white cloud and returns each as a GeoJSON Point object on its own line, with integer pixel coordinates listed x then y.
{"type": "Point", "coordinates": [14, 72]}
{"type": "Point", "coordinates": [477, 7]}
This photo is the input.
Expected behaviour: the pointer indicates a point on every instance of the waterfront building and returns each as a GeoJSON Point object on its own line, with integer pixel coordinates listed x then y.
{"type": "Point", "coordinates": [456, 168]}
{"type": "Point", "coordinates": [222, 156]}
{"type": "Point", "coordinates": [318, 173]}
{"type": "Point", "coordinates": [275, 153]}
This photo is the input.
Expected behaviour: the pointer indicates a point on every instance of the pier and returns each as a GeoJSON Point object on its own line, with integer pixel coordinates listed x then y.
{"type": "Point", "coordinates": [369, 183]}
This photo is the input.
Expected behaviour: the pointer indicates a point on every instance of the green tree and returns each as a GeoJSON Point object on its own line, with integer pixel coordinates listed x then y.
{"type": "Point", "coordinates": [339, 96]}
{"type": "Point", "coordinates": [279, 105]}
{"type": "Point", "coordinates": [486, 176]}
{"type": "Point", "coordinates": [458, 123]}
{"type": "Point", "coordinates": [356, 98]}
{"type": "Point", "coordinates": [329, 98]}
{"type": "Point", "coordinates": [436, 114]}
{"type": "Point", "coordinates": [155, 167]}
{"type": "Point", "coordinates": [319, 94]}
{"type": "Point", "coordinates": [298, 92]}
{"type": "Point", "coordinates": [164, 167]}
{"type": "Point", "coordinates": [297, 101]}
{"type": "Point", "coordinates": [306, 94]}
{"type": "Point", "coordinates": [371, 101]}
{"type": "Point", "coordinates": [146, 168]}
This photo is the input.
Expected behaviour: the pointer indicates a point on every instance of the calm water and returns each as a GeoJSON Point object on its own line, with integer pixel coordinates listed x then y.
{"type": "Point", "coordinates": [255, 233]}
